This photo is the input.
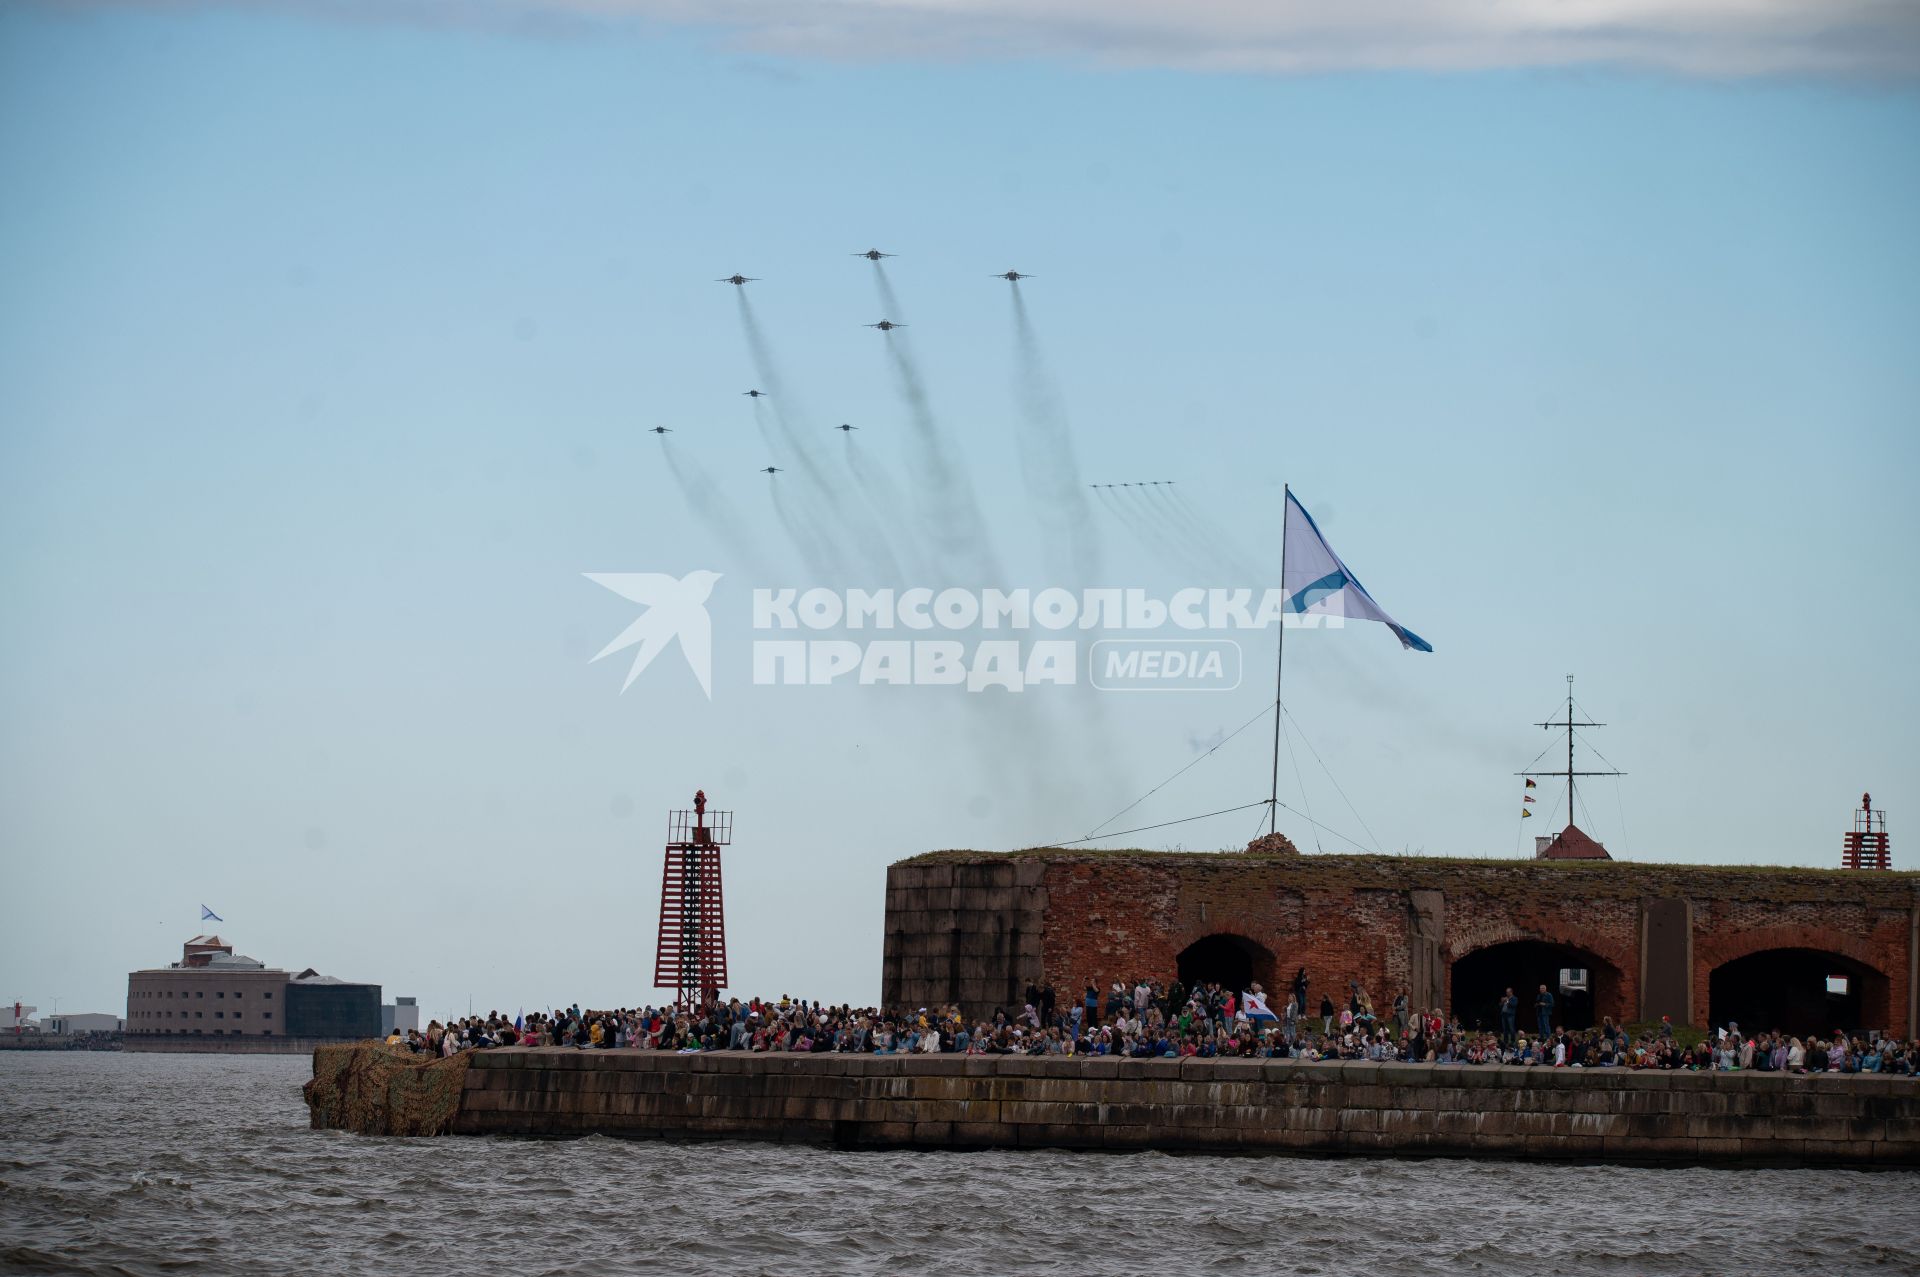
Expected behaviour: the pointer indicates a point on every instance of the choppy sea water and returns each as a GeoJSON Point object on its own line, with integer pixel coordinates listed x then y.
{"type": "Point", "coordinates": [118, 1163]}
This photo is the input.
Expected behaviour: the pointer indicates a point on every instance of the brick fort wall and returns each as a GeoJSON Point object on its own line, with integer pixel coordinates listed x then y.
{"type": "Point", "coordinates": [975, 928]}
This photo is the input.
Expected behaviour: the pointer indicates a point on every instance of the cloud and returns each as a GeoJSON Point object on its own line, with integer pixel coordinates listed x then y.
{"type": "Point", "coordinates": [1710, 38]}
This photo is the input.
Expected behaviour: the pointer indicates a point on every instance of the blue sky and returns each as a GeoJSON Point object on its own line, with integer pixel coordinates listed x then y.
{"type": "Point", "coordinates": [328, 350]}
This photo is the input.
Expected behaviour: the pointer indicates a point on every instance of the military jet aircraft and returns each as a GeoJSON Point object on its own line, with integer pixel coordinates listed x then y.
{"type": "Point", "coordinates": [874, 254]}
{"type": "Point", "coordinates": [885, 325]}
{"type": "Point", "coordinates": [755, 394]}
{"type": "Point", "coordinates": [737, 280]}
{"type": "Point", "coordinates": [661, 430]}
{"type": "Point", "coordinates": [1012, 276]}
{"type": "Point", "coordinates": [770, 470]}
{"type": "Point", "coordinates": [844, 428]}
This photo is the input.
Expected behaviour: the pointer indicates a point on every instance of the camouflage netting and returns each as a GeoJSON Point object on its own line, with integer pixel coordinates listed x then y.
{"type": "Point", "coordinates": [371, 1088]}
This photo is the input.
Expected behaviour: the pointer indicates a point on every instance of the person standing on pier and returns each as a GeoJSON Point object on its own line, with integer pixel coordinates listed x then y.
{"type": "Point", "coordinates": [1509, 1018]}
{"type": "Point", "coordinates": [1543, 1006]}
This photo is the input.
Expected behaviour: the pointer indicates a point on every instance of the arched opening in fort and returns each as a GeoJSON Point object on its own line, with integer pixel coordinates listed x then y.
{"type": "Point", "coordinates": [1798, 991]}
{"type": "Point", "coordinates": [1233, 962]}
{"type": "Point", "coordinates": [1480, 977]}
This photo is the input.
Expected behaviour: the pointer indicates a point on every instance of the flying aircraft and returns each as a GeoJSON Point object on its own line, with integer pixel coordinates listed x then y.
{"type": "Point", "coordinates": [885, 325]}
{"type": "Point", "coordinates": [755, 394]}
{"type": "Point", "coordinates": [843, 428]}
{"type": "Point", "coordinates": [661, 430]}
{"type": "Point", "coordinates": [874, 254]}
{"type": "Point", "coordinates": [770, 470]}
{"type": "Point", "coordinates": [1012, 276]}
{"type": "Point", "coordinates": [737, 280]}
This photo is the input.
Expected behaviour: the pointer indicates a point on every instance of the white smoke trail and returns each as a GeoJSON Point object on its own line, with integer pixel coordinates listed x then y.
{"type": "Point", "coordinates": [1047, 461]}
{"type": "Point", "coordinates": [710, 506]}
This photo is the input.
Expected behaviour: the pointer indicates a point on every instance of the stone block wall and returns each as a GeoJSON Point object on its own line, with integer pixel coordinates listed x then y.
{"type": "Point", "coordinates": [966, 933]}
{"type": "Point", "coordinates": [1216, 1106]}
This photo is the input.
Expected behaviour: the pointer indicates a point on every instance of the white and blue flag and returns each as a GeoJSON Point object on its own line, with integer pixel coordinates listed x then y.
{"type": "Point", "coordinates": [1315, 580]}
{"type": "Point", "coordinates": [206, 913]}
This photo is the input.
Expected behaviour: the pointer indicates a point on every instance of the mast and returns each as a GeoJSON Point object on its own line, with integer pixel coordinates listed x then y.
{"type": "Point", "coordinates": [1569, 773]}
{"type": "Point", "coordinates": [1279, 663]}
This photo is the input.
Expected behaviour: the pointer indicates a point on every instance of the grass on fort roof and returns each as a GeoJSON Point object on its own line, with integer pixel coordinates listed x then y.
{"type": "Point", "coordinates": [962, 856]}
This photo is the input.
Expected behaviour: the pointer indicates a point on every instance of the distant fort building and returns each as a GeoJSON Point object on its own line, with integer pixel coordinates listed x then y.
{"type": "Point", "coordinates": [216, 999]}
{"type": "Point", "coordinates": [402, 1014]}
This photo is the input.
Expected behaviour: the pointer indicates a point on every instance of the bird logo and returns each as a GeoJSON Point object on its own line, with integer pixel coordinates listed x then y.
{"type": "Point", "coordinates": [676, 609]}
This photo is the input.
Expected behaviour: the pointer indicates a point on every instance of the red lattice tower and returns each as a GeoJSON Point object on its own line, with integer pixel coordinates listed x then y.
{"type": "Point", "coordinates": [691, 957]}
{"type": "Point", "coordinates": [1866, 846]}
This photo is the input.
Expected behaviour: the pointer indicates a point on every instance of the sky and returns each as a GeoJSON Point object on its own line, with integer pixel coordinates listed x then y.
{"type": "Point", "coordinates": [332, 336]}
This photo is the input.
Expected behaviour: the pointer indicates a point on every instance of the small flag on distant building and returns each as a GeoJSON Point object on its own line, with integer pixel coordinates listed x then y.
{"type": "Point", "coordinates": [1531, 785]}
{"type": "Point", "coordinates": [1526, 798]}
{"type": "Point", "coordinates": [1315, 580]}
{"type": "Point", "coordinates": [1525, 814]}
{"type": "Point", "coordinates": [208, 915]}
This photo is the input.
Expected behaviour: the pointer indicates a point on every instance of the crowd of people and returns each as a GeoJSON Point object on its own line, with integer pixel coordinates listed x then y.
{"type": "Point", "coordinates": [1146, 1019]}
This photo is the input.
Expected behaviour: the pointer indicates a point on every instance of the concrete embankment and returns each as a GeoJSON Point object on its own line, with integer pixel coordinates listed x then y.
{"type": "Point", "coordinates": [1239, 1106]}
{"type": "Point", "coordinates": [252, 1044]}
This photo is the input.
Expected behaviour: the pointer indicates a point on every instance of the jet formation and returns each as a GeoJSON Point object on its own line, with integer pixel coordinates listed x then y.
{"type": "Point", "coordinates": [885, 326]}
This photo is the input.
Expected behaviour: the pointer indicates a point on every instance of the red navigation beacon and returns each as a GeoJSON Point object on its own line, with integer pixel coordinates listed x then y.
{"type": "Point", "coordinates": [1866, 845]}
{"type": "Point", "coordinates": [691, 957]}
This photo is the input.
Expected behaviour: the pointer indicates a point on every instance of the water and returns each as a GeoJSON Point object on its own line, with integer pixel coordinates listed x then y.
{"type": "Point", "coordinates": [204, 1164]}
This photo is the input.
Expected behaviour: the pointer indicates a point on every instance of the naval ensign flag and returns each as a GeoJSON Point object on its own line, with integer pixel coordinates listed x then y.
{"type": "Point", "coordinates": [1315, 580]}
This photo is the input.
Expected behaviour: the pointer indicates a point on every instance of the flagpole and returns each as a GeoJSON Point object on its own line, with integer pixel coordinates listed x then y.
{"type": "Point", "coordinates": [1279, 665]}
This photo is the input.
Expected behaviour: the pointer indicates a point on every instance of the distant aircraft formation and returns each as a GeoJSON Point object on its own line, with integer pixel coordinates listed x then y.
{"type": "Point", "coordinates": [872, 255]}
{"type": "Point", "coordinates": [885, 326]}
{"type": "Point", "coordinates": [1144, 483]}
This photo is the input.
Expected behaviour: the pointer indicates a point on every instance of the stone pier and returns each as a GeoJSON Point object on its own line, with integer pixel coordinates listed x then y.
{"type": "Point", "coordinates": [1223, 1106]}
